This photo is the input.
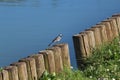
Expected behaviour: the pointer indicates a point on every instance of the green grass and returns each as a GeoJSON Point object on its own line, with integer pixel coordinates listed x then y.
{"type": "Point", "coordinates": [67, 74]}
{"type": "Point", "coordinates": [1, 69]}
{"type": "Point", "coordinates": [104, 64]}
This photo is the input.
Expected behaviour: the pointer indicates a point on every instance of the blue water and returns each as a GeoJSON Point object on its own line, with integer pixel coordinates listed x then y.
{"type": "Point", "coordinates": [28, 26]}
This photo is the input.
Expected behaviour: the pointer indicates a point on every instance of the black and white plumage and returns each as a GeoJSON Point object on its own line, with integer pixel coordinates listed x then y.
{"type": "Point", "coordinates": [57, 39]}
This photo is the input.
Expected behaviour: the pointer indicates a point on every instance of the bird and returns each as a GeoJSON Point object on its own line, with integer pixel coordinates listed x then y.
{"type": "Point", "coordinates": [57, 39]}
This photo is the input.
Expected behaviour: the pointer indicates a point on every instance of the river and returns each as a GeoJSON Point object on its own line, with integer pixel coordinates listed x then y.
{"type": "Point", "coordinates": [28, 26]}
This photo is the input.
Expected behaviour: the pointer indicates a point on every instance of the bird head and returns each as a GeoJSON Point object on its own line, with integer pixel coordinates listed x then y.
{"type": "Point", "coordinates": [60, 35]}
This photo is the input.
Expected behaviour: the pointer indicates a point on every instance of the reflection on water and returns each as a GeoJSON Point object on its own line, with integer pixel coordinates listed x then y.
{"type": "Point", "coordinates": [36, 3]}
{"type": "Point", "coordinates": [23, 3]}
{"type": "Point", "coordinates": [54, 3]}
{"type": "Point", "coordinates": [11, 2]}
{"type": "Point", "coordinates": [32, 3]}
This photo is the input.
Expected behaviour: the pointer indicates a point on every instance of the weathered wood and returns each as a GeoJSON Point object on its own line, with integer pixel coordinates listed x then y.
{"type": "Point", "coordinates": [22, 70]}
{"type": "Point", "coordinates": [86, 43]}
{"type": "Point", "coordinates": [97, 36]}
{"type": "Point", "coordinates": [103, 33]}
{"type": "Point", "coordinates": [40, 67]}
{"type": "Point", "coordinates": [4, 75]}
{"type": "Point", "coordinates": [49, 60]}
{"type": "Point", "coordinates": [31, 68]}
{"type": "Point", "coordinates": [117, 20]}
{"type": "Point", "coordinates": [58, 58]}
{"type": "Point", "coordinates": [13, 72]}
{"type": "Point", "coordinates": [65, 54]}
{"type": "Point", "coordinates": [1, 76]}
{"type": "Point", "coordinates": [91, 39]}
{"type": "Point", "coordinates": [79, 47]}
{"type": "Point", "coordinates": [117, 16]}
{"type": "Point", "coordinates": [113, 27]}
{"type": "Point", "coordinates": [108, 30]}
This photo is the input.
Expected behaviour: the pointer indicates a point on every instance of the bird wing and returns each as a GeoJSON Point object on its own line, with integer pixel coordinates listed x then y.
{"type": "Point", "coordinates": [50, 44]}
{"type": "Point", "coordinates": [54, 40]}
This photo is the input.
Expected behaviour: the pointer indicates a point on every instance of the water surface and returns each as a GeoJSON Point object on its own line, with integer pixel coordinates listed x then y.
{"type": "Point", "coordinates": [28, 26]}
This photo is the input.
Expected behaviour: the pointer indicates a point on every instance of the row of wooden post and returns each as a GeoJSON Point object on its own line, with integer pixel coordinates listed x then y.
{"type": "Point", "coordinates": [101, 33]}
{"type": "Point", "coordinates": [32, 67]}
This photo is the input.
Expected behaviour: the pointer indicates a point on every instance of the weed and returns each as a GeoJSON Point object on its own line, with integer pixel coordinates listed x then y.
{"type": "Point", "coordinates": [102, 65]}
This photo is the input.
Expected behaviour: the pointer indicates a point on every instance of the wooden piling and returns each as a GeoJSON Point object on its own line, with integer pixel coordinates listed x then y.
{"type": "Point", "coordinates": [91, 39]}
{"type": "Point", "coordinates": [114, 28]}
{"type": "Point", "coordinates": [22, 70]}
{"type": "Point", "coordinates": [4, 75]}
{"type": "Point", "coordinates": [102, 32]}
{"type": "Point", "coordinates": [117, 22]}
{"type": "Point", "coordinates": [40, 67]}
{"type": "Point", "coordinates": [108, 30]}
{"type": "Point", "coordinates": [1, 76]}
{"type": "Point", "coordinates": [83, 49]}
{"type": "Point", "coordinates": [117, 16]}
{"type": "Point", "coordinates": [31, 68]}
{"type": "Point", "coordinates": [58, 58]}
{"type": "Point", "coordinates": [65, 54]}
{"type": "Point", "coordinates": [79, 47]}
{"type": "Point", "coordinates": [13, 72]}
{"type": "Point", "coordinates": [86, 43]}
{"type": "Point", "coordinates": [97, 36]}
{"type": "Point", "coordinates": [49, 60]}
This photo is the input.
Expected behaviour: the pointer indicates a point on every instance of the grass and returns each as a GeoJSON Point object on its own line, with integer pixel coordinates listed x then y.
{"type": "Point", "coordinates": [67, 74]}
{"type": "Point", "coordinates": [104, 64]}
{"type": "Point", "coordinates": [1, 69]}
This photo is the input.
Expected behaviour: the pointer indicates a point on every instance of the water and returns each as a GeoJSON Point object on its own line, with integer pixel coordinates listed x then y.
{"type": "Point", "coordinates": [28, 26]}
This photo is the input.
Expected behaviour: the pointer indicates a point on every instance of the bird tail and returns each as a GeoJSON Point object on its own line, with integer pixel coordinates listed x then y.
{"type": "Point", "coordinates": [50, 44]}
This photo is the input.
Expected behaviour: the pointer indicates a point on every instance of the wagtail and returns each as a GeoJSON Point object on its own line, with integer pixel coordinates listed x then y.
{"type": "Point", "coordinates": [57, 39]}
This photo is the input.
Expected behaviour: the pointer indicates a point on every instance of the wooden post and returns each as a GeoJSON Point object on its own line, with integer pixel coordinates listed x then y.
{"type": "Point", "coordinates": [117, 22]}
{"type": "Point", "coordinates": [79, 48]}
{"type": "Point", "coordinates": [114, 28]}
{"type": "Point", "coordinates": [1, 76]}
{"type": "Point", "coordinates": [97, 36]}
{"type": "Point", "coordinates": [4, 75]}
{"type": "Point", "coordinates": [117, 16]}
{"type": "Point", "coordinates": [58, 58]}
{"type": "Point", "coordinates": [22, 70]}
{"type": "Point", "coordinates": [103, 33]}
{"type": "Point", "coordinates": [40, 67]}
{"type": "Point", "coordinates": [83, 48]}
{"type": "Point", "coordinates": [65, 54]}
{"type": "Point", "coordinates": [91, 39]}
{"type": "Point", "coordinates": [13, 72]}
{"type": "Point", "coordinates": [108, 29]}
{"type": "Point", "coordinates": [86, 43]}
{"type": "Point", "coordinates": [49, 60]}
{"type": "Point", "coordinates": [31, 68]}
